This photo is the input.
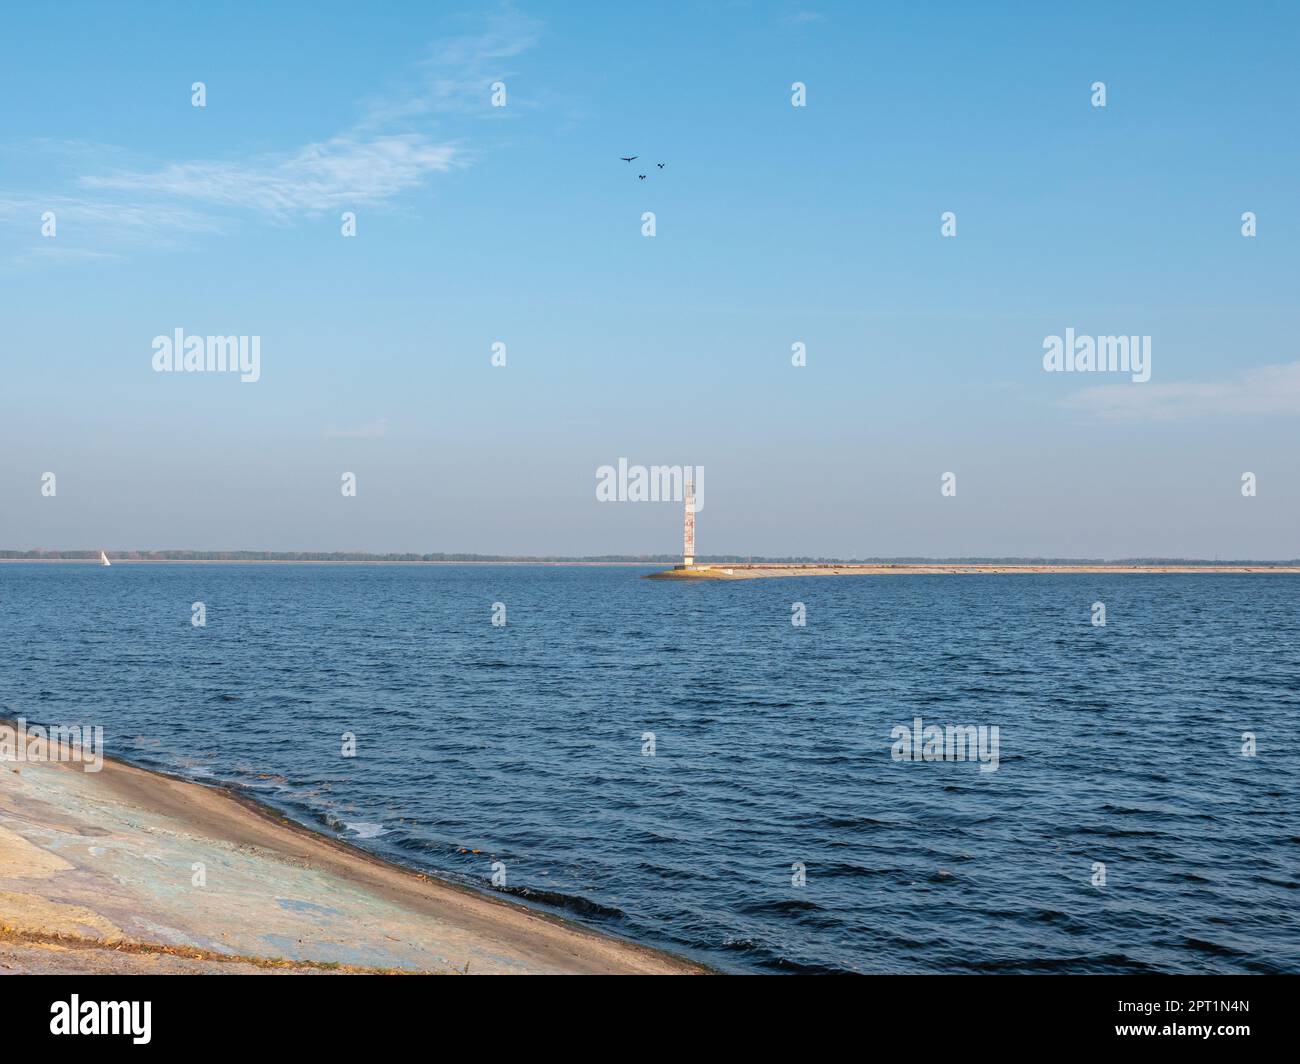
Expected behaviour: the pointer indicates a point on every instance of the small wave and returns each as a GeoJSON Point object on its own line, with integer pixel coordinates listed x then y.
{"type": "Point", "coordinates": [573, 903]}
{"type": "Point", "coordinates": [1215, 949]}
{"type": "Point", "coordinates": [410, 842]}
{"type": "Point", "coordinates": [849, 822]}
{"type": "Point", "coordinates": [785, 964]}
{"type": "Point", "coordinates": [779, 905]}
{"type": "Point", "coordinates": [1118, 833]}
{"type": "Point", "coordinates": [1096, 963]}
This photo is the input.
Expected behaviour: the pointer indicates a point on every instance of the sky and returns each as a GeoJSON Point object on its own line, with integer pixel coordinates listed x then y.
{"type": "Point", "coordinates": [775, 224]}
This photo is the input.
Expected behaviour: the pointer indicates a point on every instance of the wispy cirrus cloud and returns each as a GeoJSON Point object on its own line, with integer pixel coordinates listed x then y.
{"type": "Point", "coordinates": [343, 171]}
{"type": "Point", "coordinates": [91, 230]}
{"type": "Point", "coordinates": [455, 75]}
{"type": "Point", "coordinates": [1266, 390]}
{"type": "Point", "coordinates": [374, 161]}
{"type": "Point", "coordinates": [48, 254]}
{"type": "Point", "coordinates": [114, 202]}
{"type": "Point", "coordinates": [87, 214]}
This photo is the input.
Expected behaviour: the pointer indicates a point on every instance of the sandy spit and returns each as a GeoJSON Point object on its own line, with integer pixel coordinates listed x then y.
{"type": "Point", "coordinates": [759, 572]}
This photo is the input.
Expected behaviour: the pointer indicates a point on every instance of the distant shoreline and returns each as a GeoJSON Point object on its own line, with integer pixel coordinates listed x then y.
{"type": "Point", "coordinates": [233, 557]}
{"type": "Point", "coordinates": [304, 561]}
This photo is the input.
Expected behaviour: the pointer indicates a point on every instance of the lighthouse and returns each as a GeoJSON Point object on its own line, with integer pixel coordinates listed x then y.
{"type": "Point", "coordinates": [688, 544]}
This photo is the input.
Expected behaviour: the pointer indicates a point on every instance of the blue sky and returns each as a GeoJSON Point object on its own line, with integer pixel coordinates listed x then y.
{"type": "Point", "coordinates": [775, 224]}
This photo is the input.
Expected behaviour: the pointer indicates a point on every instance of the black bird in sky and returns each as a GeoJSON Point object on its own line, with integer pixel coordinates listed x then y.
{"type": "Point", "coordinates": [660, 165]}
{"type": "Point", "coordinates": [629, 158]}
{"type": "Point", "coordinates": [641, 176]}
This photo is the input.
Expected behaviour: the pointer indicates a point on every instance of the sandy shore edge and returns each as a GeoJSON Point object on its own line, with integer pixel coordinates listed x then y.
{"type": "Point", "coordinates": [96, 875]}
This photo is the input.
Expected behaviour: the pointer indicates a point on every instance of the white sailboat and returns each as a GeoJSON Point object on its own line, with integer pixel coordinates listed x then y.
{"type": "Point", "coordinates": [103, 559]}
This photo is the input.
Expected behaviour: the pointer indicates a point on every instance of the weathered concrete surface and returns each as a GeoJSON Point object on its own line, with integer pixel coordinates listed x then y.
{"type": "Point", "coordinates": [93, 860]}
{"type": "Point", "coordinates": [742, 571]}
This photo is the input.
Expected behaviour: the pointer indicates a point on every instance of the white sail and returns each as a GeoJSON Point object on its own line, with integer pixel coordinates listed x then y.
{"type": "Point", "coordinates": [103, 559]}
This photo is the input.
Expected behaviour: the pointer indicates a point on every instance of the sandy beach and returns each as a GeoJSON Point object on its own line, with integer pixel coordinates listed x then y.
{"type": "Point", "coordinates": [99, 873]}
{"type": "Point", "coordinates": [759, 572]}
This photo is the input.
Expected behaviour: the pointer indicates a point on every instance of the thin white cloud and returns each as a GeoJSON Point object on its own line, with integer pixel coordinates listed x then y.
{"type": "Point", "coordinates": [457, 75]}
{"type": "Point", "coordinates": [83, 211]}
{"type": "Point", "coordinates": [51, 254]}
{"type": "Point", "coordinates": [88, 229]}
{"type": "Point", "coordinates": [368, 164]}
{"type": "Point", "coordinates": [116, 203]}
{"type": "Point", "coordinates": [340, 172]}
{"type": "Point", "coordinates": [1267, 390]}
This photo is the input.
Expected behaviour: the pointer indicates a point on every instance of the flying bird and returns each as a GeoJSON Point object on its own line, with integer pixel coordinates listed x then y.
{"type": "Point", "coordinates": [641, 176]}
{"type": "Point", "coordinates": [629, 158]}
{"type": "Point", "coordinates": [660, 165]}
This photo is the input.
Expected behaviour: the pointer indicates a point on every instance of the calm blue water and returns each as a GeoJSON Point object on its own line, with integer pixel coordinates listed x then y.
{"type": "Point", "coordinates": [1118, 745]}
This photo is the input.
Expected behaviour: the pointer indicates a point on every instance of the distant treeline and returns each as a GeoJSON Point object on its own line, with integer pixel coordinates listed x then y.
{"type": "Point", "coordinates": [647, 559]}
{"type": "Point", "coordinates": [306, 556]}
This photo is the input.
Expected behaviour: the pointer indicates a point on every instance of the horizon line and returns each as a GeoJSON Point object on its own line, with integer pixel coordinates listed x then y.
{"type": "Point", "coordinates": [448, 557]}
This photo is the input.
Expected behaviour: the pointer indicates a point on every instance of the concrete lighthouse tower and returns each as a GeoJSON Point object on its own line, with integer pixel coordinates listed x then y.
{"type": "Point", "coordinates": [688, 546]}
